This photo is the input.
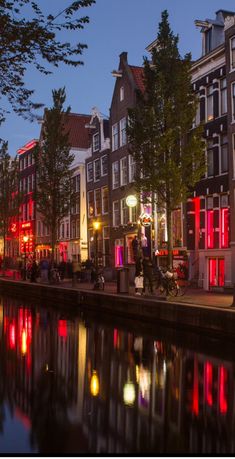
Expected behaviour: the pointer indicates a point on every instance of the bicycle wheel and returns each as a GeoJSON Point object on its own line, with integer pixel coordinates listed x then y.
{"type": "Point", "coordinates": [172, 288]}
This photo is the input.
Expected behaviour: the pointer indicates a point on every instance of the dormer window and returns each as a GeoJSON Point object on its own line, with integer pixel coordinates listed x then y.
{"type": "Point", "coordinates": [121, 93]}
{"type": "Point", "coordinates": [232, 53]}
{"type": "Point", "coordinates": [208, 40]}
{"type": "Point", "coordinates": [96, 142]}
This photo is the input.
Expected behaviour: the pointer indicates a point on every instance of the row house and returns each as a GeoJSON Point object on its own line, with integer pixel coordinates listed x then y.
{"type": "Point", "coordinates": [209, 212]}
{"type": "Point", "coordinates": [25, 228]}
{"type": "Point", "coordinates": [72, 234]}
{"type": "Point", "coordinates": [124, 220]}
{"type": "Point", "coordinates": [97, 183]}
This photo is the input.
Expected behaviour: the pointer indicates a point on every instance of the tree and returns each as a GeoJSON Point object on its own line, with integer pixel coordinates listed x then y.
{"type": "Point", "coordinates": [28, 37]}
{"type": "Point", "coordinates": [169, 154]}
{"type": "Point", "coordinates": [10, 197]}
{"type": "Point", "coordinates": [54, 192]}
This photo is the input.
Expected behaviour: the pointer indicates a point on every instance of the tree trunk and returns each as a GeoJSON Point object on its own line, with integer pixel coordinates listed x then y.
{"type": "Point", "coordinates": [169, 236]}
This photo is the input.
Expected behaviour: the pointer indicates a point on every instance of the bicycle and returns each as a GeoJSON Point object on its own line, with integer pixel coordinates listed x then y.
{"type": "Point", "coordinates": [166, 282]}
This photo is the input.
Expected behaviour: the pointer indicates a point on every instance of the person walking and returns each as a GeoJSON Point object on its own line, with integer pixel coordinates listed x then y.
{"type": "Point", "coordinates": [44, 267]}
{"type": "Point", "coordinates": [148, 274]}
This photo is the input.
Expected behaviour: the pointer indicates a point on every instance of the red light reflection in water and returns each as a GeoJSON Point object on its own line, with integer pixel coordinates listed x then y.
{"type": "Point", "coordinates": [195, 406]}
{"type": "Point", "coordinates": [208, 383]}
{"type": "Point", "coordinates": [223, 379]}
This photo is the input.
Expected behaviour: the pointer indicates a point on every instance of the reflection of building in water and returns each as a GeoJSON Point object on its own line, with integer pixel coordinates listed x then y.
{"type": "Point", "coordinates": [154, 397]}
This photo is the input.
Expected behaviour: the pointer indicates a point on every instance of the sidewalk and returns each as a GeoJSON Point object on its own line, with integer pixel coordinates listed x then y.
{"type": "Point", "coordinates": [194, 296]}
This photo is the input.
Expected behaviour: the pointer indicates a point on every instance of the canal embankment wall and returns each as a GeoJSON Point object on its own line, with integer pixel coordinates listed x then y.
{"type": "Point", "coordinates": [204, 319]}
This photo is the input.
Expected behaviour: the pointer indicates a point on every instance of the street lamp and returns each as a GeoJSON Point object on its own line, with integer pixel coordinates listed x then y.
{"type": "Point", "coordinates": [96, 226]}
{"type": "Point", "coordinates": [25, 239]}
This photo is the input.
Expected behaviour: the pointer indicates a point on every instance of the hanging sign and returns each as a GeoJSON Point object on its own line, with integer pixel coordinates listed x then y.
{"type": "Point", "coordinates": [145, 219]}
{"type": "Point", "coordinates": [131, 200]}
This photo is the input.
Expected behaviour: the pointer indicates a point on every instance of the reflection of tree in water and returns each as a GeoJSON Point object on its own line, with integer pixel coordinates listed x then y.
{"type": "Point", "coordinates": [49, 414]}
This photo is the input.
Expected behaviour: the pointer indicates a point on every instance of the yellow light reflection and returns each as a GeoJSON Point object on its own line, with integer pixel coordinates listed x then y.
{"type": "Point", "coordinates": [94, 385]}
{"type": "Point", "coordinates": [24, 342]}
{"type": "Point", "coordinates": [129, 393]}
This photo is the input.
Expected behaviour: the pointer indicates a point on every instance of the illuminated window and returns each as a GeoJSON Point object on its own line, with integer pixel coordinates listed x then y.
{"type": "Point", "coordinates": [221, 272]}
{"type": "Point", "coordinates": [90, 203]}
{"type": "Point", "coordinates": [210, 229]}
{"type": "Point", "coordinates": [210, 105]}
{"type": "Point", "coordinates": [119, 252]}
{"type": "Point", "coordinates": [216, 272]}
{"type": "Point", "coordinates": [224, 228]}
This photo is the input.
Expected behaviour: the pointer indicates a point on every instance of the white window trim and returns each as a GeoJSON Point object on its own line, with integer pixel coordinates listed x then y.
{"type": "Point", "coordinates": [120, 132]}
{"type": "Point", "coordinates": [116, 148]}
{"type": "Point", "coordinates": [89, 180]}
{"type": "Point", "coordinates": [94, 162]}
{"type": "Point", "coordinates": [114, 202]}
{"type": "Point", "coordinates": [233, 114]}
{"type": "Point", "coordinates": [96, 213]}
{"type": "Point", "coordinates": [101, 166]}
{"type": "Point", "coordinates": [115, 187]}
{"type": "Point", "coordinates": [96, 135]}
{"type": "Point", "coordinates": [131, 179]}
{"type": "Point", "coordinates": [102, 192]}
{"type": "Point", "coordinates": [220, 97]}
{"type": "Point", "coordinates": [121, 171]}
{"type": "Point", "coordinates": [230, 52]}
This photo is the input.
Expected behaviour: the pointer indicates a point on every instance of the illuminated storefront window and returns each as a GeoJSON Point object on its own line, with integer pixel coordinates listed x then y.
{"type": "Point", "coordinates": [216, 272]}
{"type": "Point", "coordinates": [224, 228]}
{"type": "Point", "coordinates": [119, 252]}
{"type": "Point", "coordinates": [210, 229]}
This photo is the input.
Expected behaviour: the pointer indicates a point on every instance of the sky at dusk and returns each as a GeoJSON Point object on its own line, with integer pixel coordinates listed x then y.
{"type": "Point", "coordinates": [115, 26]}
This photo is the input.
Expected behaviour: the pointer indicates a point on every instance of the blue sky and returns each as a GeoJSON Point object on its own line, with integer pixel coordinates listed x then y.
{"type": "Point", "coordinates": [115, 26]}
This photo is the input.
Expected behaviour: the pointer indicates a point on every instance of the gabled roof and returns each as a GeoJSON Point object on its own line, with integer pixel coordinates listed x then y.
{"type": "Point", "coordinates": [138, 75]}
{"type": "Point", "coordinates": [78, 134]}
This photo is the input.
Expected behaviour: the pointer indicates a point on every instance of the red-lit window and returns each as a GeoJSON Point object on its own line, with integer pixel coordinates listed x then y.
{"type": "Point", "coordinates": [224, 228]}
{"type": "Point", "coordinates": [221, 272]}
{"type": "Point", "coordinates": [212, 272]}
{"type": "Point", "coordinates": [216, 272]}
{"type": "Point", "coordinates": [119, 255]}
{"type": "Point", "coordinates": [210, 229]}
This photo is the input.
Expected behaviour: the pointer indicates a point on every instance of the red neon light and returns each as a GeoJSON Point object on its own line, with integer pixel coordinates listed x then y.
{"type": "Point", "coordinates": [224, 228]}
{"type": "Point", "coordinates": [210, 229]}
{"type": "Point", "coordinates": [195, 406]}
{"type": "Point", "coordinates": [208, 383]}
{"type": "Point", "coordinates": [223, 379]}
{"type": "Point", "coordinates": [62, 328]}
{"type": "Point", "coordinates": [27, 147]}
{"type": "Point", "coordinates": [13, 228]}
{"type": "Point", "coordinates": [197, 218]}
{"type": "Point", "coordinates": [26, 225]}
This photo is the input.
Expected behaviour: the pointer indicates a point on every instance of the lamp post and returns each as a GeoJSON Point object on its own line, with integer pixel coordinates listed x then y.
{"type": "Point", "coordinates": [25, 239]}
{"type": "Point", "coordinates": [96, 226]}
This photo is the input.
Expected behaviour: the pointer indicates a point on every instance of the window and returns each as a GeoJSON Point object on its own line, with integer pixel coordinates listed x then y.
{"type": "Point", "coordinates": [119, 252]}
{"type": "Point", "coordinates": [224, 235]}
{"type": "Point", "coordinates": [233, 101]}
{"type": "Point", "coordinates": [210, 110]}
{"type": "Point", "coordinates": [76, 183]}
{"type": "Point", "coordinates": [96, 142]}
{"type": "Point", "coordinates": [90, 203]}
{"type": "Point", "coordinates": [208, 40]}
{"type": "Point", "coordinates": [197, 119]}
{"type": "Point", "coordinates": [89, 172]}
{"type": "Point", "coordinates": [30, 183]}
{"type": "Point", "coordinates": [210, 159]}
{"type": "Point", "coordinates": [105, 203]}
{"type": "Point", "coordinates": [224, 153]}
{"type": "Point", "coordinates": [210, 229]}
{"type": "Point", "coordinates": [133, 214]}
{"type": "Point", "coordinates": [96, 170]}
{"type": "Point", "coordinates": [132, 169]}
{"type": "Point", "coordinates": [115, 172]}
{"type": "Point", "coordinates": [104, 165]}
{"type": "Point", "coordinates": [233, 146]}
{"type": "Point", "coordinates": [223, 96]}
{"type": "Point", "coordinates": [232, 44]}
{"type": "Point", "coordinates": [115, 137]}
{"type": "Point", "coordinates": [216, 272]}
{"type": "Point", "coordinates": [116, 213]}
{"type": "Point", "coordinates": [123, 132]}
{"type": "Point", "coordinates": [123, 167]}
{"type": "Point", "coordinates": [97, 202]}
{"type": "Point", "coordinates": [210, 202]}
{"type": "Point", "coordinates": [124, 212]}
{"type": "Point", "coordinates": [121, 93]}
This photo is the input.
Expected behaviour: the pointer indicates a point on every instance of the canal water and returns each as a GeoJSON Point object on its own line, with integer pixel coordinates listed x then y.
{"type": "Point", "coordinates": [76, 384]}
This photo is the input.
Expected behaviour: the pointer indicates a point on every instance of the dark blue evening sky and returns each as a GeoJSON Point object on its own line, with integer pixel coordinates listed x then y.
{"type": "Point", "coordinates": [115, 26]}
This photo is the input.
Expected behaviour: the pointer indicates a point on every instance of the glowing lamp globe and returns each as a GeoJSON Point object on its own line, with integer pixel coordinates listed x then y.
{"type": "Point", "coordinates": [131, 200]}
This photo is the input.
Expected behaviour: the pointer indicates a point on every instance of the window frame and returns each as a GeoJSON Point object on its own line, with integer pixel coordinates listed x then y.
{"type": "Point", "coordinates": [117, 184]}
{"type": "Point", "coordinates": [101, 162]}
{"type": "Point", "coordinates": [122, 182]}
{"type": "Point", "coordinates": [115, 144]}
{"type": "Point", "coordinates": [96, 161]}
{"type": "Point", "coordinates": [122, 131]}
{"type": "Point", "coordinates": [91, 170]}
{"type": "Point", "coordinates": [95, 144]}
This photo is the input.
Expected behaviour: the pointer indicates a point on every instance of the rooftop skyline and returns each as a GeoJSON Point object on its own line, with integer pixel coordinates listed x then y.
{"type": "Point", "coordinates": [115, 26]}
